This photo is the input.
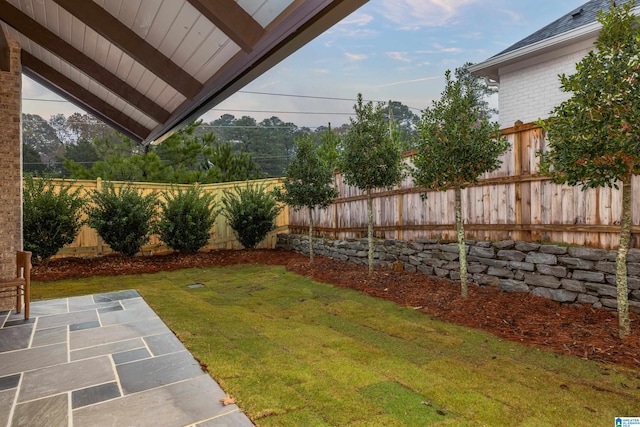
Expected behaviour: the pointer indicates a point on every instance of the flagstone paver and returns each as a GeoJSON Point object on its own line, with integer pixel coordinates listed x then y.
{"type": "Point", "coordinates": [103, 359]}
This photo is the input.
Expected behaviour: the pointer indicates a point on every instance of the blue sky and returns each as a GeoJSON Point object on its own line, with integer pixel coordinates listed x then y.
{"type": "Point", "coordinates": [387, 50]}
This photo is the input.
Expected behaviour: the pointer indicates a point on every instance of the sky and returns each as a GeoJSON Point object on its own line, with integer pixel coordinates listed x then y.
{"type": "Point", "coordinates": [387, 50]}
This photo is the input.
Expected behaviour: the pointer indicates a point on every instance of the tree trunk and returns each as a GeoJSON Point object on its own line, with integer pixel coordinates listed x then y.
{"type": "Point", "coordinates": [624, 326]}
{"type": "Point", "coordinates": [370, 229]}
{"type": "Point", "coordinates": [461, 246]}
{"type": "Point", "coordinates": [311, 235]}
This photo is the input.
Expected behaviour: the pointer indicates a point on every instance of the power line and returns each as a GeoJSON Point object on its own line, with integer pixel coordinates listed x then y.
{"type": "Point", "coordinates": [288, 95]}
{"type": "Point", "coordinates": [280, 112]}
{"type": "Point", "coordinates": [330, 98]}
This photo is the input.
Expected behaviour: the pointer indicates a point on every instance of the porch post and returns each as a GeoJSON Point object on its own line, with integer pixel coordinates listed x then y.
{"type": "Point", "coordinates": [10, 155]}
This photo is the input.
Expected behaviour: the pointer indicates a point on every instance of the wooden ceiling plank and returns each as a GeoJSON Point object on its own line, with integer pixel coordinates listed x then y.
{"type": "Point", "coordinates": [109, 27]}
{"type": "Point", "coordinates": [300, 23]}
{"type": "Point", "coordinates": [5, 58]}
{"type": "Point", "coordinates": [86, 100]}
{"type": "Point", "coordinates": [233, 20]}
{"type": "Point", "coordinates": [49, 41]}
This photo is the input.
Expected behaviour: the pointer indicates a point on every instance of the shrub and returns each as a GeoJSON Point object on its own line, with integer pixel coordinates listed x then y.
{"type": "Point", "coordinates": [123, 219]}
{"type": "Point", "coordinates": [251, 212]}
{"type": "Point", "coordinates": [51, 219]}
{"type": "Point", "coordinates": [186, 219]}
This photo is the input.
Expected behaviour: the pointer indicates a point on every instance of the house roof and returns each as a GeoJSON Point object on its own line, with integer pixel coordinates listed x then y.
{"type": "Point", "coordinates": [147, 67]}
{"type": "Point", "coordinates": [579, 24]}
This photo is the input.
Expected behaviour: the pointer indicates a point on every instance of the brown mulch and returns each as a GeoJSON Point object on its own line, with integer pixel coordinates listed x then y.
{"type": "Point", "coordinates": [580, 331]}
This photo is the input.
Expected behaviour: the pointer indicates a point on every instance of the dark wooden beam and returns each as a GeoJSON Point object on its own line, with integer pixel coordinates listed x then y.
{"type": "Point", "coordinates": [232, 19]}
{"type": "Point", "coordinates": [5, 57]}
{"type": "Point", "coordinates": [81, 97]}
{"type": "Point", "coordinates": [54, 44]}
{"type": "Point", "coordinates": [135, 46]}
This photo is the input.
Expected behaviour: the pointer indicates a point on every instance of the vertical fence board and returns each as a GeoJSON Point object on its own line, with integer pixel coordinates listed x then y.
{"type": "Point", "coordinates": [511, 202]}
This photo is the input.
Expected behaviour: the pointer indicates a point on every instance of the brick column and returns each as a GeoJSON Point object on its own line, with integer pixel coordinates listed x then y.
{"type": "Point", "coordinates": [10, 161]}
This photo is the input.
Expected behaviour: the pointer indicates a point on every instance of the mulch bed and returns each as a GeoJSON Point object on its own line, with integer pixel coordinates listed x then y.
{"type": "Point", "coordinates": [576, 330]}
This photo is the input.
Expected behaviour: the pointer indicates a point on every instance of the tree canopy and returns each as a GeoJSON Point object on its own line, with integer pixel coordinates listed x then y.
{"type": "Point", "coordinates": [226, 149]}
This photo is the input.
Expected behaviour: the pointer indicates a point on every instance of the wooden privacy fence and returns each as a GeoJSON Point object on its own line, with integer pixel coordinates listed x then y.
{"type": "Point", "coordinates": [88, 242]}
{"type": "Point", "coordinates": [513, 202]}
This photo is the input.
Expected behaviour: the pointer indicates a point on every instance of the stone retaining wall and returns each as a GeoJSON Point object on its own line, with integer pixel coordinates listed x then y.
{"type": "Point", "coordinates": [564, 274]}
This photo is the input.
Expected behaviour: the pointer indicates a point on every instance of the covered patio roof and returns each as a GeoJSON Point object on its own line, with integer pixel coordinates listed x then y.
{"type": "Point", "coordinates": [147, 67]}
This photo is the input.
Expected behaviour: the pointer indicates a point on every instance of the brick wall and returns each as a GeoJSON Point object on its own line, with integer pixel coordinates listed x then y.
{"type": "Point", "coordinates": [10, 162]}
{"type": "Point", "coordinates": [530, 92]}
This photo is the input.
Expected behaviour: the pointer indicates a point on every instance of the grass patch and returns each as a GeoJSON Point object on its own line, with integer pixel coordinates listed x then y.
{"type": "Point", "coordinates": [296, 352]}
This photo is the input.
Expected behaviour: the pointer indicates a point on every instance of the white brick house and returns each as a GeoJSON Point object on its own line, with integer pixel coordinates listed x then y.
{"type": "Point", "coordinates": [527, 72]}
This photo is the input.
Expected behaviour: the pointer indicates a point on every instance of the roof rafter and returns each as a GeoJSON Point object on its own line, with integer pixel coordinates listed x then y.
{"type": "Point", "coordinates": [135, 46]}
{"type": "Point", "coordinates": [301, 22]}
{"type": "Point", "coordinates": [54, 44]}
{"type": "Point", "coordinates": [233, 20]}
{"type": "Point", "coordinates": [84, 99]}
{"type": "Point", "coordinates": [5, 59]}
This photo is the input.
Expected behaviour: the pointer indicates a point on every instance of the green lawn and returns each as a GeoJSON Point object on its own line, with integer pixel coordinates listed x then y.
{"type": "Point", "coordinates": [294, 352]}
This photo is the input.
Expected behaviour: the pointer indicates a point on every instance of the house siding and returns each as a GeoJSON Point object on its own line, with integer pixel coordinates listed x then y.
{"type": "Point", "coordinates": [529, 93]}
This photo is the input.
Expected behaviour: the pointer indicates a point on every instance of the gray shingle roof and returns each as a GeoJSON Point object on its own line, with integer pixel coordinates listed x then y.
{"type": "Point", "coordinates": [583, 15]}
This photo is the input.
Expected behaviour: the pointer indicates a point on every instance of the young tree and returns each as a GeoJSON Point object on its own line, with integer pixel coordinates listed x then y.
{"type": "Point", "coordinates": [370, 159]}
{"type": "Point", "coordinates": [593, 137]}
{"type": "Point", "coordinates": [226, 165]}
{"type": "Point", "coordinates": [456, 144]}
{"type": "Point", "coordinates": [307, 183]}
{"type": "Point", "coordinates": [404, 122]}
{"type": "Point", "coordinates": [329, 149]}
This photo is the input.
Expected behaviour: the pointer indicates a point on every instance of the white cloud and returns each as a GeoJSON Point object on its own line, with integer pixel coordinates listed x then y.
{"type": "Point", "coordinates": [437, 48]}
{"type": "Point", "coordinates": [512, 17]}
{"type": "Point", "coordinates": [415, 14]}
{"type": "Point", "coordinates": [424, 79]}
{"type": "Point", "coordinates": [355, 57]}
{"type": "Point", "coordinates": [268, 84]}
{"type": "Point", "coordinates": [359, 19]}
{"type": "Point", "coordinates": [320, 70]}
{"type": "Point", "coordinates": [355, 25]}
{"type": "Point", "coordinates": [399, 56]}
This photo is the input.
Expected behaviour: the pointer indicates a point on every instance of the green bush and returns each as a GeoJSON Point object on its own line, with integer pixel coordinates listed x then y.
{"type": "Point", "coordinates": [251, 212]}
{"type": "Point", "coordinates": [51, 219]}
{"type": "Point", "coordinates": [186, 219]}
{"type": "Point", "coordinates": [124, 218]}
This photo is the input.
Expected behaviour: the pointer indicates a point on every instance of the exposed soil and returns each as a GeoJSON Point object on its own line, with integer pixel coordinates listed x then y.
{"type": "Point", "coordinates": [580, 331]}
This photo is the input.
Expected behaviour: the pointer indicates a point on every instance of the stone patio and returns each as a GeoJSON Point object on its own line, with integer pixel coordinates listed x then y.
{"type": "Point", "coordinates": [103, 360]}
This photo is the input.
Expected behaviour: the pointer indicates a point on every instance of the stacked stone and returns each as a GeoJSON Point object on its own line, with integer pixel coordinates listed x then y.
{"type": "Point", "coordinates": [564, 274]}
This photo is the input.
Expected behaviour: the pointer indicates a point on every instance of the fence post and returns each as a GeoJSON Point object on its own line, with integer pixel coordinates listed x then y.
{"type": "Point", "coordinates": [335, 209]}
{"type": "Point", "coordinates": [522, 189]}
{"type": "Point", "coordinates": [100, 248]}
{"type": "Point", "coordinates": [400, 221]}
